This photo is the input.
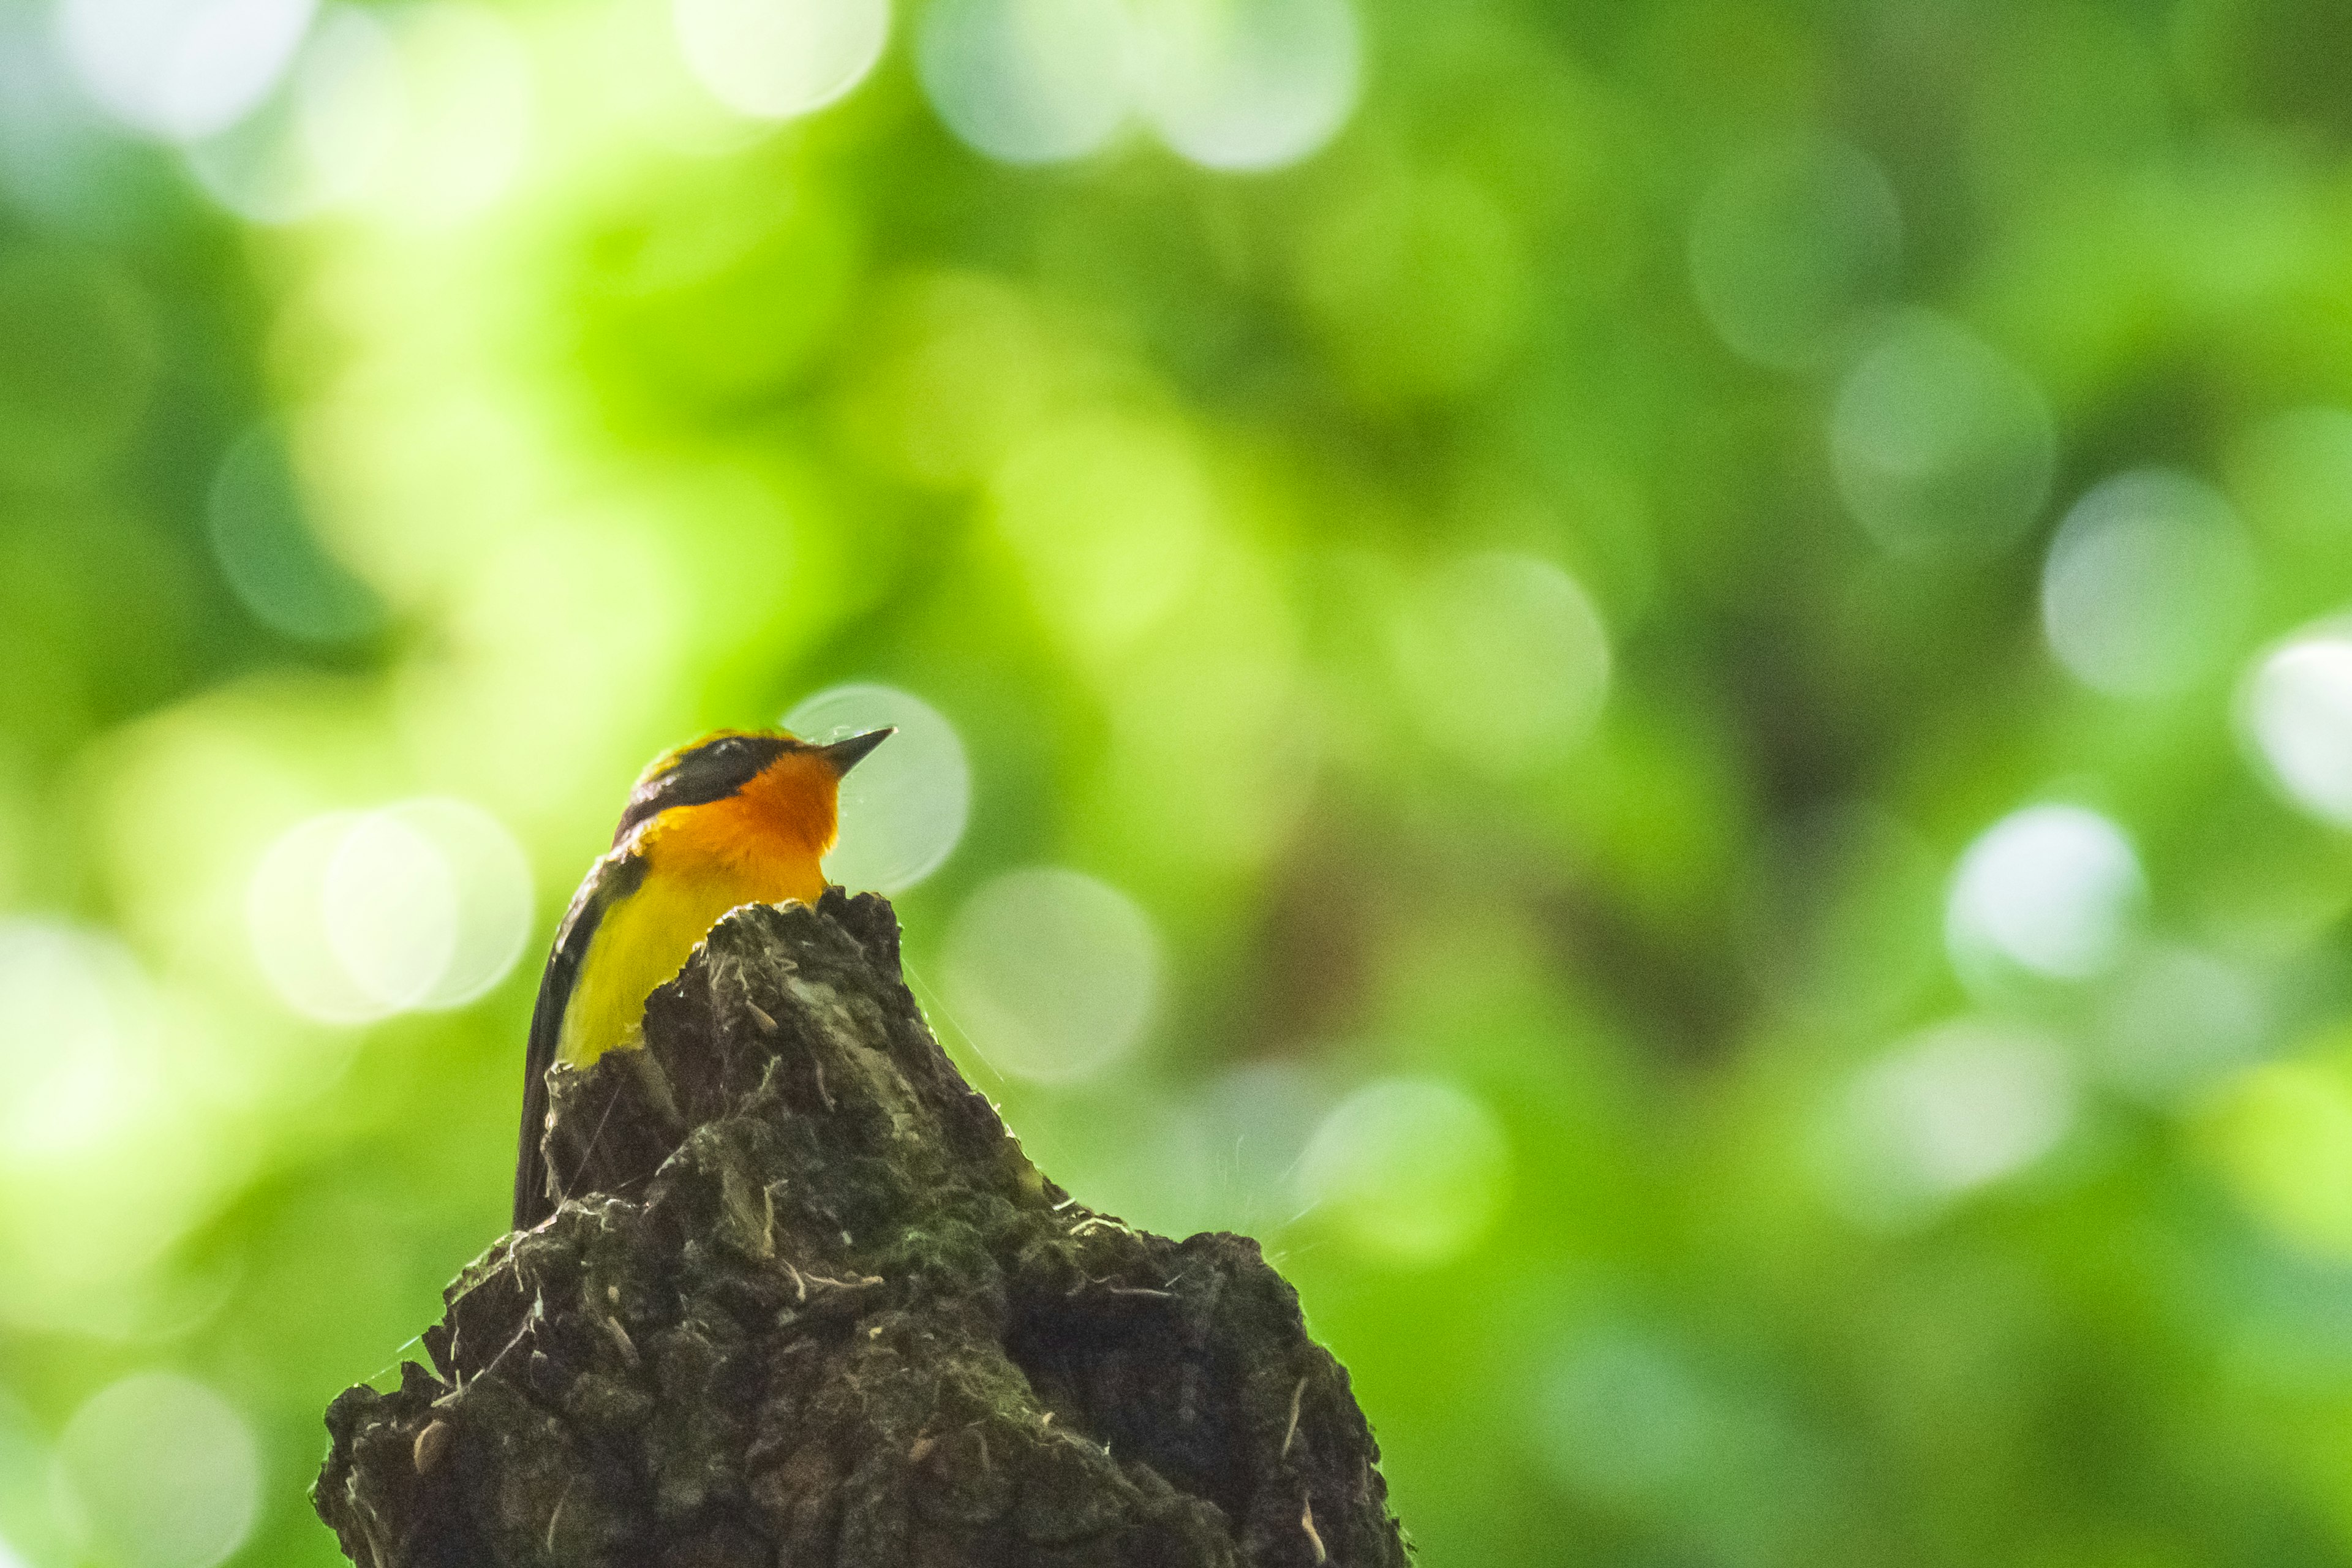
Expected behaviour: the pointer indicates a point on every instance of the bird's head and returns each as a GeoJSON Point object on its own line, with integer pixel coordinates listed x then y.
{"type": "Point", "coordinates": [779, 782]}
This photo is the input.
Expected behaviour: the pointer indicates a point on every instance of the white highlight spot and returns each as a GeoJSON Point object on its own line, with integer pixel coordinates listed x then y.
{"type": "Point", "coordinates": [1504, 660]}
{"type": "Point", "coordinates": [778, 58]}
{"type": "Point", "coordinates": [1953, 1109]}
{"type": "Point", "coordinates": [1413, 1170]}
{"type": "Point", "coordinates": [1028, 81]}
{"type": "Point", "coordinates": [161, 1472]}
{"type": "Point", "coordinates": [1942, 448]}
{"type": "Point", "coordinates": [181, 69]}
{"type": "Point", "coordinates": [78, 1026]}
{"type": "Point", "coordinates": [2054, 889]}
{"type": "Point", "coordinates": [903, 808]}
{"type": "Point", "coordinates": [1248, 85]}
{"type": "Point", "coordinates": [2149, 580]}
{"type": "Point", "coordinates": [423, 905]}
{"type": "Point", "coordinates": [1052, 973]}
{"type": "Point", "coordinates": [2297, 710]}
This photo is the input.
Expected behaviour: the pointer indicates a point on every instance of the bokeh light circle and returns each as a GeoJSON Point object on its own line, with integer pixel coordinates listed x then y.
{"type": "Point", "coordinates": [1366, 266]}
{"type": "Point", "coordinates": [1052, 975]}
{"type": "Point", "coordinates": [181, 68]}
{"type": "Point", "coordinates": [1247, 85]}
{"type": "Point", "coordinates": [316, 145]}
{"type": "Point", "coordinates": [1942, 448]}
{"type": "Point", "coordinates": [389, 903]}
{"type": "Point", "coordinates": [468, 97]}
{"type": "Point", "coordinates": [78, 1022]}
{"type": "Point", "coordinates": [1790, 245]}
{"type": "Point", "coordinates": [2149, 583]}
{"type": "Point", "coordinates": [495, 900]}
{"type": "Point", "coordinates": [160, 1471]}
{"type": "Point", "coordinates": [1953, 1109]}
{"type": "Point", "coordinates": [259, 524]}
{"type": "Point", "coordinates": [903, 809]}
{"type": "Point", "coordinates": [1504, 660]}
{"type": "Point", "coordinates": [2051, 889]}
{"type": "Point", "coordinates": [355, 916]}
{"type": "Point", "coordinates": [1259, 1116]}
{"type": "Point", "coordinates": [1028, 81]}
{"type": "Point", "coordinates": [1618, 1415]}
{"type": "Point", "coordinates": [1109, 517]}
{"type": "Point", "coordinates": [2178, 1020]}
{"type": "Point", "coordinates": [2296, 711]}
{"type": "Point", "coordinates": [777, 59]}
{"type": "Point", "coordinates": [2281, 1131]}
{"type": "Point", "coordinates": [1412, 1169]}
{"type": "Point", "coordinates": [284, 908]}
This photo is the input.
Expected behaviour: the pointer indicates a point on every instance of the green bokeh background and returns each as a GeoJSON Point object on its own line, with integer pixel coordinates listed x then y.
{"type": "Point", "coordinates": [1425, 579]}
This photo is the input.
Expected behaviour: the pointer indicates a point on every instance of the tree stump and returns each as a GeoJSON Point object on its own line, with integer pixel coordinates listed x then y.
{"type": "Point", "coordinates": [808, 1303]}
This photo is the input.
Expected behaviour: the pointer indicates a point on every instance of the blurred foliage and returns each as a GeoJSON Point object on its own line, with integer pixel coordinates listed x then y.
{"type": "Point", "coordinates": [1541, 603]}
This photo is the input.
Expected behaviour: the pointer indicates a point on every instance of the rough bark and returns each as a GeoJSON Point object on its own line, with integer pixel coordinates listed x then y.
{"type": "Point", "coordinates": [809, 1304]}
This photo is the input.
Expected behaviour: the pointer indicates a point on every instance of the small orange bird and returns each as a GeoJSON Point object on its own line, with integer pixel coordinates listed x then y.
{"type": "Point", "coordinates": [740, 816]}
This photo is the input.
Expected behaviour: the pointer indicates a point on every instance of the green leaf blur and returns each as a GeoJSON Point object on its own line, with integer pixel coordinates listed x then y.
{"type": "Point", "coordinates": [1656, 684]}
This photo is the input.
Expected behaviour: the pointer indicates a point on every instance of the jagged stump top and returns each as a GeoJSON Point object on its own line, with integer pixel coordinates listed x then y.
{"type": "Point", "coordinates": [808, 1303]}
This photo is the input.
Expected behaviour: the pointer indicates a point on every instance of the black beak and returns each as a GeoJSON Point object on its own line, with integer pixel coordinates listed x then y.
{"type": "Point", "coordinates": [846, 755]}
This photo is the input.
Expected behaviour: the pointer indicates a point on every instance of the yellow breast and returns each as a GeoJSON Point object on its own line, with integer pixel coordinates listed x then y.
{"type": "Point", "coordinates": [692, 879]}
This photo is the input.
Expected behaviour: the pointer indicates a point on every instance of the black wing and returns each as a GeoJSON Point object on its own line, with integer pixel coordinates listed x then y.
{"type": "Point", "coordinates": [611, 880]}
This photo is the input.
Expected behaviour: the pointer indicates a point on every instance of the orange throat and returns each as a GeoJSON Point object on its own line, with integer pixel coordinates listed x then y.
{"type": "Point", "coordinates": [762, 846]}
{"type": "Point", "coordinates": [773, 833]}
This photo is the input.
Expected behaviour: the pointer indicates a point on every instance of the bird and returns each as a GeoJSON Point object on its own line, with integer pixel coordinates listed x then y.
{"type": "Point", "coordinates": [738, 816]}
